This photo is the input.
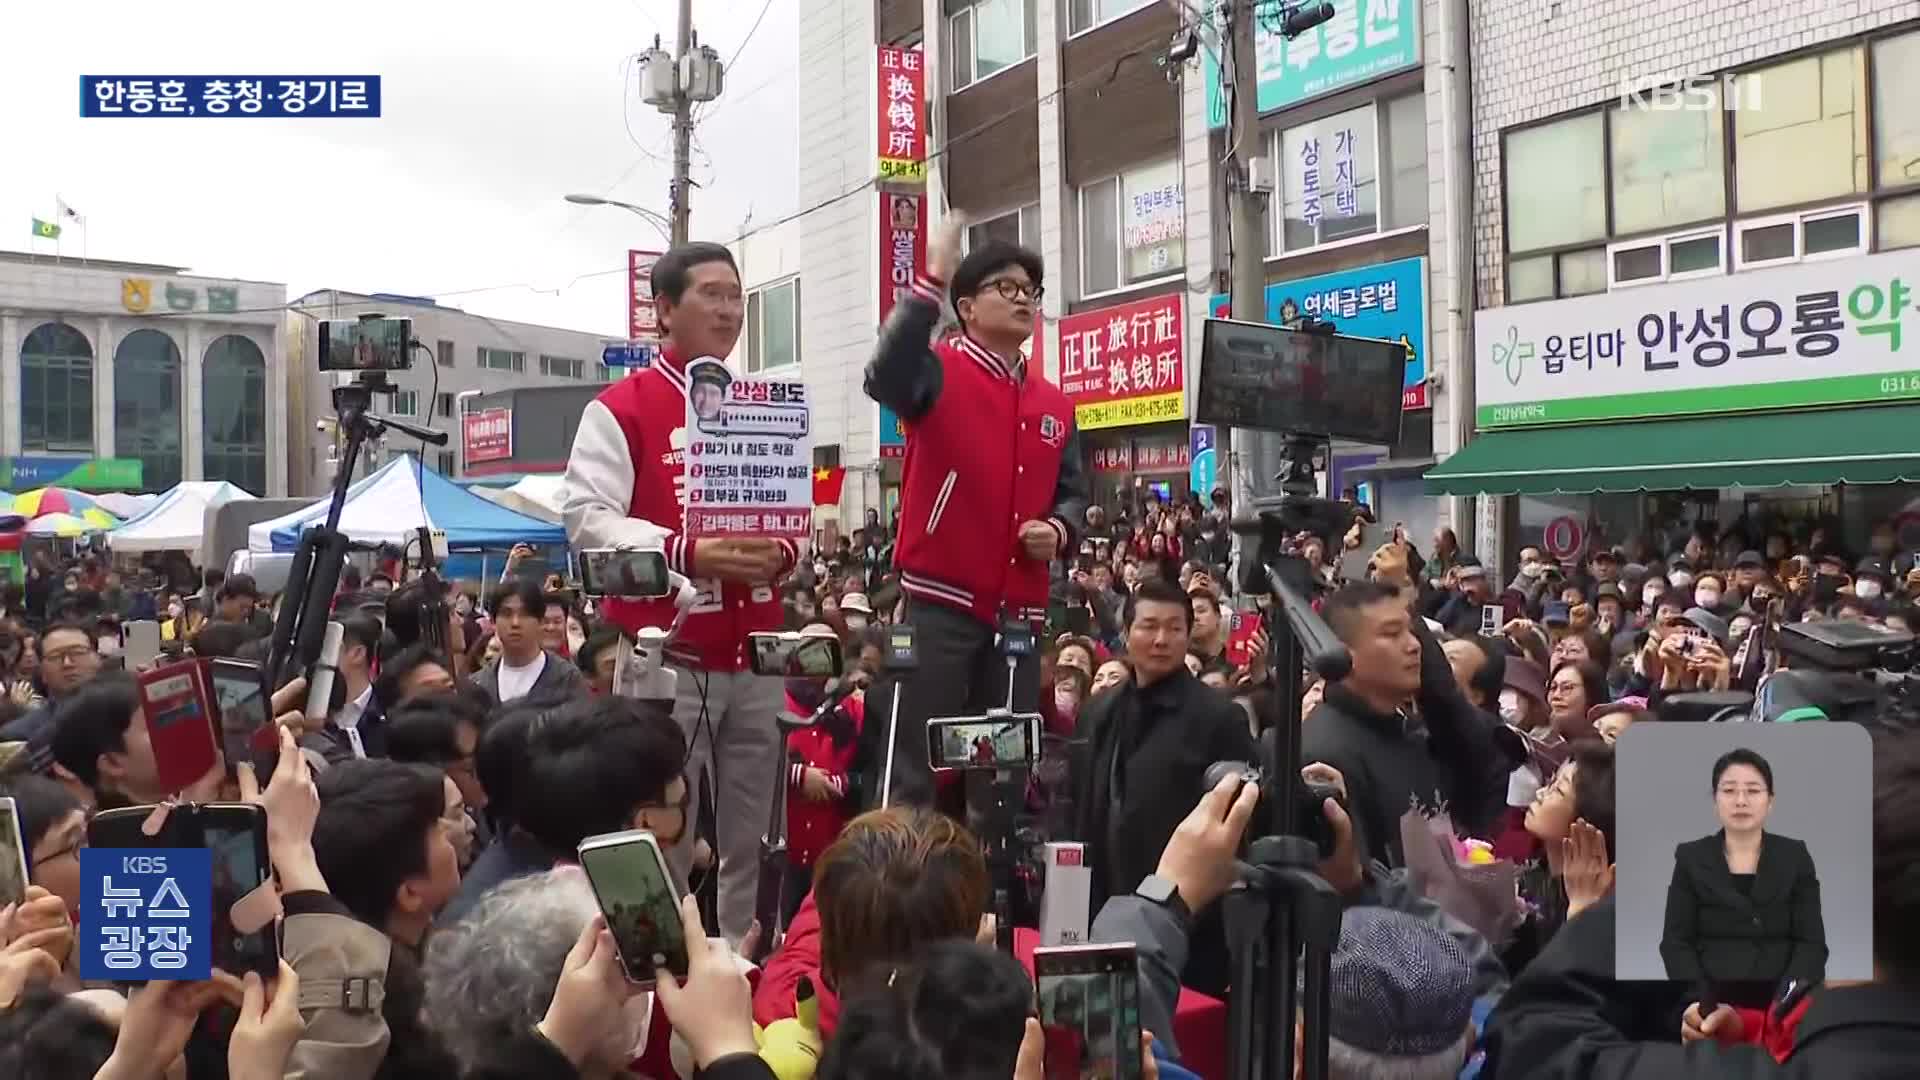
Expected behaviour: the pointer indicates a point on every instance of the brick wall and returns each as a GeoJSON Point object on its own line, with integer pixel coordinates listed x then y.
{"type": "Point", "coordinates": [1533, 59]}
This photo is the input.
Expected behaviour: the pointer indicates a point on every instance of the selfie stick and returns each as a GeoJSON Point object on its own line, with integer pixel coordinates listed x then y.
{"type": "Point", "coordinates": [901, 659]}
{"type": "Point", "coordinates": [770, 906]}
{"type": "Point", "coordinates": [642, 675]}
{"type": "Point", "coordinates": [314, 574]}
{"type": "Point", "coordinates": [320, 692]}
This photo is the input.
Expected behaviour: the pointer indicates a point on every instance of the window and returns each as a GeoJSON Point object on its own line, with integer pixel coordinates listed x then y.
{"type": "Point", "coordinates": [1699, 253]}
{"type": "Point", "coordinates": [1800, 237]}
{"type": "Point", "coordinates": [146, 406]}
{"type": "Point", "coordinates": [826, 457]}
{"type": "Point", "coordinates": [1352, 174]}
{"type": "Point", "coordinates": [561, 367]}
{"type": "Point", "coordinates": [406, 403]}
{"type": "Point", "coordinates": [233, 390]}
{"type": "Point", "coordinates": [1549, 277]}
{"type": "Point", "coordinates": [1896, 136]}
{"type": "Point", "coordinates": [56, 390]}
{"type": "Point", "coordinates": [988, 36]}
{"type": "Point", "coordinates": [502, 359]}
{"type": "Point", "coordinates": [443, 463]}
{"type": "Point", "coordinates": [773, 326]}
{"type": "Point", "coordinates": [1800, 132]}
{"type": "Point", "coordinates": [1897, 223]}
{"type": "Point", "coordinates": [1132, 228]}
{"type": "Point", "coordinates": [1668, 166]}
{"type": "Point", "coordinates": [608, 374]}
{"type": "Point", "coordinates": [1020, 226]}
{"type": "Point", "coordinates": [443, 405]}
{"type": "Point", "coordinates": [443, 352]}
{"type": "Point", "coordinates": [1556, 184]}
{"type": "Point", "coordinates": [1087, 14]}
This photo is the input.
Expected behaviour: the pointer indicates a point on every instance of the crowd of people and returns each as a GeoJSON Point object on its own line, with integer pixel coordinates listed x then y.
{"type": "Point", "coordinates": [424, 827]}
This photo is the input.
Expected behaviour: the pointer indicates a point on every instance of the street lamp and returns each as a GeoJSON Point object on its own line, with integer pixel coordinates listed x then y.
{"type": "Point", "coordinates": [657, 220]}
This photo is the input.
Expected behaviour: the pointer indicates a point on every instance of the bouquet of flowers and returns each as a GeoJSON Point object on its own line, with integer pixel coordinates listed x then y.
{"type": "Point", "coordinates": [1461, 875]}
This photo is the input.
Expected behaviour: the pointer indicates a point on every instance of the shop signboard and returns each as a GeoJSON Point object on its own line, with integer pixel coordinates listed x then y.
{"type": "Point", "coordinates": [79, 473]}
{"type": "Point", "coordinates": [903, 252]}
{"type": "Point", "coordinates": [486, 435]}
{"type": "Point", "coordinates": [1125, 364]}
{"type": "Point", "coordinates": [1203, 453]}
{"type": "Point", "coordinates": [903, 135]}
{"type": "Point", "coordinates": [1365, 40]}
{"type": "Point", "coordinates": [1813, 334]}
{"type": "Point", "coordinates": [643, 320]}
{"type": "Point", "coordinates": [1383, 300]}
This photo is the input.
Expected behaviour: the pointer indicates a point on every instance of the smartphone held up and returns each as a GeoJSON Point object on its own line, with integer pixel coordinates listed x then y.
{"type": "Point", "coordinates": [641, 900]}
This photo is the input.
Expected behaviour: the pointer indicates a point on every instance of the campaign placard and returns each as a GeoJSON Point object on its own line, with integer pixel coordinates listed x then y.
{"type": "Point", "coordinates": [749, 455]}
{"type": "Point", "coordinates": [146, 913]}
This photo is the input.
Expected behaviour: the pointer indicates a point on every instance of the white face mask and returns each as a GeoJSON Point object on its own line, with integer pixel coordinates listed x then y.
{"type": "Point", "coordinates": [1866, 590]}
{"type": "Point", "coordinates": [1680, 578]}
{"type": "Point", "coordinates": [109, 646]}
{"type": "Point", "coordinates": [1706, 598]}
{"type": "Point", "coordinates": [1510, 709]}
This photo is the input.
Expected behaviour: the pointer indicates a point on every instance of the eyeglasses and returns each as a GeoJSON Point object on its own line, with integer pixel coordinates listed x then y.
{"type": "Point", "coordinates": [1010, 289]}
{"type": "Point", "coordinates": [71, 655]}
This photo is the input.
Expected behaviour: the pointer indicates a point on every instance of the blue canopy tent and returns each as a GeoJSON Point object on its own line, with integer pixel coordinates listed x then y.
{"type": "Point", "coordinates": [402, 496]}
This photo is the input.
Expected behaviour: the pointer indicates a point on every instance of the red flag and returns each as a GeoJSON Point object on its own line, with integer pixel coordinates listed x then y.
{"type": "Point", "coordinates": [826, 486]}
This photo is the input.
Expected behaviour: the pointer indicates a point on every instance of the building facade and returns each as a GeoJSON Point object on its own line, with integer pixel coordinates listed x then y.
{"type": "Point", "coordinates": [147, 373]}
{"type": "Point", "coordinates": [471, 356]}
{"type": "Point", "coordinates": [1697, 233]}
{"type": "Point", "coordinates": [1060, 124]}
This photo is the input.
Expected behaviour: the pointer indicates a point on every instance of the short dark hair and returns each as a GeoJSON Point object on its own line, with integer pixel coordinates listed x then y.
{"type": "Point", "coordinates": [427, 729]}
{"type": "Point", "coordinates": [39, 803]}
{"type": "Point", "coordinates": [1345, 605]}
{"type": "Point", "coordinates": [533, 599]}
{"type": "Point", "coordinates": [94, 721]}
{"type": "Point", "coordinates": [1492, 676]}
{"type": "Point", "coordinates": [599, 641]}
{"type": "Point", "coordinates": [673, 271]}
{"type": "Point", "coordinates": [363, 630]}
{"type": "Point", "coordinates": [221, 637]}
{"type": "Point", "coordinates": [395, 668]}
{"type": "Point", "coordinates": [1159, 591]}
{"type": "Point", "coordinates": [371, 833]}
{"type": "Point", "coordinates": [1740, 755]}
{"type": "Point", "coordinates": [238, 585]}
{"type": "Point", "coordinates": [590, 764]}
{"type": "Point", "coordinates": [410, 609]}
{"type": "Point", "coordinates": [84, 627]}
{"type": "Point", "coordinates": [957, 1010]}
{"type": "Point", "coordinates": [987, 260]}
{"type": "Point", "coordinates": [47, 1035]}
{"type": "Point", "coordinates": [1593, 786]}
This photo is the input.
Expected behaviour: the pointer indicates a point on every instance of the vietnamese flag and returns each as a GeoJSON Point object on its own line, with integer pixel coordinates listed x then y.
{"type": "Point", "coordinates": [826, 486]}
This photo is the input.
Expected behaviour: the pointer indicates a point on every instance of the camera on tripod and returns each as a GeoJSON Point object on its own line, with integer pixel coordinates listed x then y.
{"type": "Point", "coordinates": [1309, 800]}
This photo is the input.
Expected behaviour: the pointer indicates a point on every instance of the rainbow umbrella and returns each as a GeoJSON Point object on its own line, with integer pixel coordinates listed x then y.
{"type": "Point", "coordinates": [50, 500]}
{"type": "Point", "coordinates": [99, 519]}
{"type": "Point", "coordinates": [61, 525]}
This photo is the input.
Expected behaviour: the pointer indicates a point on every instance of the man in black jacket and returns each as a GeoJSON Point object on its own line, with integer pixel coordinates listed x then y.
{"type": "Point", "coordinates": [1141, 759]}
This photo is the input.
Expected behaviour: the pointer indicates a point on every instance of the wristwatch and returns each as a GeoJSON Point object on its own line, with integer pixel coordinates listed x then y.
{"type": "Point", "coordinates": [1158, 890]}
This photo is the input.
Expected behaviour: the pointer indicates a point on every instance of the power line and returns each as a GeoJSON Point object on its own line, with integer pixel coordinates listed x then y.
{"type": "Point", "coordinates": [752, 30]}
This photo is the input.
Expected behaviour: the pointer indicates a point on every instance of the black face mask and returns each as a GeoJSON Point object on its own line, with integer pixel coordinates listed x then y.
{"type": "Point", "coordinates": [807, 693]}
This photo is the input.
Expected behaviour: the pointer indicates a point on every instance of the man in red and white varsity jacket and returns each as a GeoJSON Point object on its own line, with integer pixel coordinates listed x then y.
{"type": "Point", "coordinates": [626, 488]}
{"type": "Point", "coordinates": [993, 485]}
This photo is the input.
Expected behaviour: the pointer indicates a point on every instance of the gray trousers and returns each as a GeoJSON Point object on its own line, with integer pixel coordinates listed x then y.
{"type": "Point", "coordinates": [735, 738]}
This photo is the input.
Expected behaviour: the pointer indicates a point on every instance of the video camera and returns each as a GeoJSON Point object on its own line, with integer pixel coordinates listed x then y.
{"type": "Point", "coordinates": [1270, 538]}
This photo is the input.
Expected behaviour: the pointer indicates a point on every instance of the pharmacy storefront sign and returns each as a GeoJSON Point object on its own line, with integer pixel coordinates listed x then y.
{"type": "Point", "coordinates": [1825, 333]}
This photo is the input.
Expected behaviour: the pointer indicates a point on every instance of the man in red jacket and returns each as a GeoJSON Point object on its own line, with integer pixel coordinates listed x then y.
{"type": "Point", "coordinates": [626, 488]}
{"type": "Point", "coordinates": [993, 484]}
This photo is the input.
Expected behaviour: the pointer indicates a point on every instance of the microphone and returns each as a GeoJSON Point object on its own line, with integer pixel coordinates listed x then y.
{"type": "Point", "coordinates": [831, 702]}
{"type": "Point", "coordinates": [320, 690]}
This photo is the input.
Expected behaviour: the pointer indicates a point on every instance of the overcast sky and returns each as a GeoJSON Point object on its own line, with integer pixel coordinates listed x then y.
{"type": "Point", "coordinates": [493, 109]}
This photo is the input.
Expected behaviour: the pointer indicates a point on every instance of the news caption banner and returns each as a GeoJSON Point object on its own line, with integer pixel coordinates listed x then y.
{"type": "Point", "coordinates": [259, 96]}
{"type": "Point", "coordinates": [146, 914]}
{"type": "Point", "coordinates": [749, 469]}
{"type": "Point", "coordinates": [1821, 333]}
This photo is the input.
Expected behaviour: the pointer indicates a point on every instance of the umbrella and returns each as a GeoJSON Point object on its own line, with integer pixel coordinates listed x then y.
{"type": "Point", "coordinates": [122, 505]}
{"type": "Point", "coordinates": [50, 500]}
{"type": "Point", "coordinates": [99, 519]}
{"type": "Point", "coordinates": [62, 525]}
{"type": "Point", "coordinates": [6, 500]}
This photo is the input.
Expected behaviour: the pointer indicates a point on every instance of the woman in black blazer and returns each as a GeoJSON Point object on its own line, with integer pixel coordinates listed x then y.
{"type": "Point", "coordinates": [1744, 904]}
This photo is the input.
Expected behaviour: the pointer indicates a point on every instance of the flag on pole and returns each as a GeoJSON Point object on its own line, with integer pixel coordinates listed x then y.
{"type": "Point", "coordinates": [826, 486]}
{"type": "Point", "coordinates": [69, 212]}
{"type": "Point", "coordinates": [46, 229]}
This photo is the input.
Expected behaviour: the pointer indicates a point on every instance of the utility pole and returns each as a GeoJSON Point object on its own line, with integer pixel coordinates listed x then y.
{"type": "Point", "coordinates": [682, 126]}
{"type": "Point", "coordinates": [674, 84]}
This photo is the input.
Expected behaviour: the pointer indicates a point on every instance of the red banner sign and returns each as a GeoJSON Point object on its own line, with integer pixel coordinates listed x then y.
{"type": "Point", "coordinates": [903, 132]}
{"type": "Point", "coordinates": [903, 253]}
{"type": "Point", "coordinates": [487, 435]}
{"type": "Point", "coordinates": [1125, 364]}
{"type": "Point", "coordinates": [643, 321]}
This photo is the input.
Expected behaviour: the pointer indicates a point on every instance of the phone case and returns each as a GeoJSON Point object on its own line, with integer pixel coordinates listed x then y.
{"type": "Point", "coordinates": [181, 723]}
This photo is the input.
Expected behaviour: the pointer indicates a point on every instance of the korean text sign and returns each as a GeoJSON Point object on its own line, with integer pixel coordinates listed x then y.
{"type": "Point", "coordinates": [749, 455]}
{"type": "Point", "coordinates": [1385, 300]}
{"type": "Point", "coordinates": [903, 253]}
{"type": "Point", "coordinates": [900, 94]}
{"type": "Point", "coordinates": [266, 96]}
{"type": "Point", "coordinates": [643, 320]}
{"type": "Point", "coordinates": [1125, 364]}
{"type": "Point", "coordinates": [146, 913]}
{"type": "Point", "coordinates": [487, 435]}
{"type": "Point", "coordinates": [1364, 40]}
{"type": "Point", "coordinates": [1824, 333]}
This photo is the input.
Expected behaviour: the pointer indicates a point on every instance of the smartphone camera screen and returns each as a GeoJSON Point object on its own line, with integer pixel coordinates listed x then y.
{"type": "Point", "coordinates": [982, 743]}
{"type": "Point", "coordinates": [238, 870]}
{"type": "Point", "coordinates": [13, 856]}
{"type": "Point", "coordinates": [642, 907]}
{"type": "Point", "coordinates": [1090, 1013]}
{"type": "Point", "coordinates": [243, 711]}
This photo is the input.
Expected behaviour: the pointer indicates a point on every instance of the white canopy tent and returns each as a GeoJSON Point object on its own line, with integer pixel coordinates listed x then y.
{"type": "Point", "coordinates": [178, 520]}
{"type": "Point", "coordinates": [539, 495]}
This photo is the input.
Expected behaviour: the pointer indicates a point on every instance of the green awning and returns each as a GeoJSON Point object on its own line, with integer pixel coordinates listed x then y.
{"type": "Point", "coordinates": [1870, 445]}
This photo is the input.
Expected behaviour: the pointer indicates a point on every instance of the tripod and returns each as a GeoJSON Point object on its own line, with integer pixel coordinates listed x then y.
{"type": "Point", "coordinates": [993, 791]}
{"type": "Point", "coordinates": [314, 573]}
{"type": "Point", "coordinates": [770, 903]}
